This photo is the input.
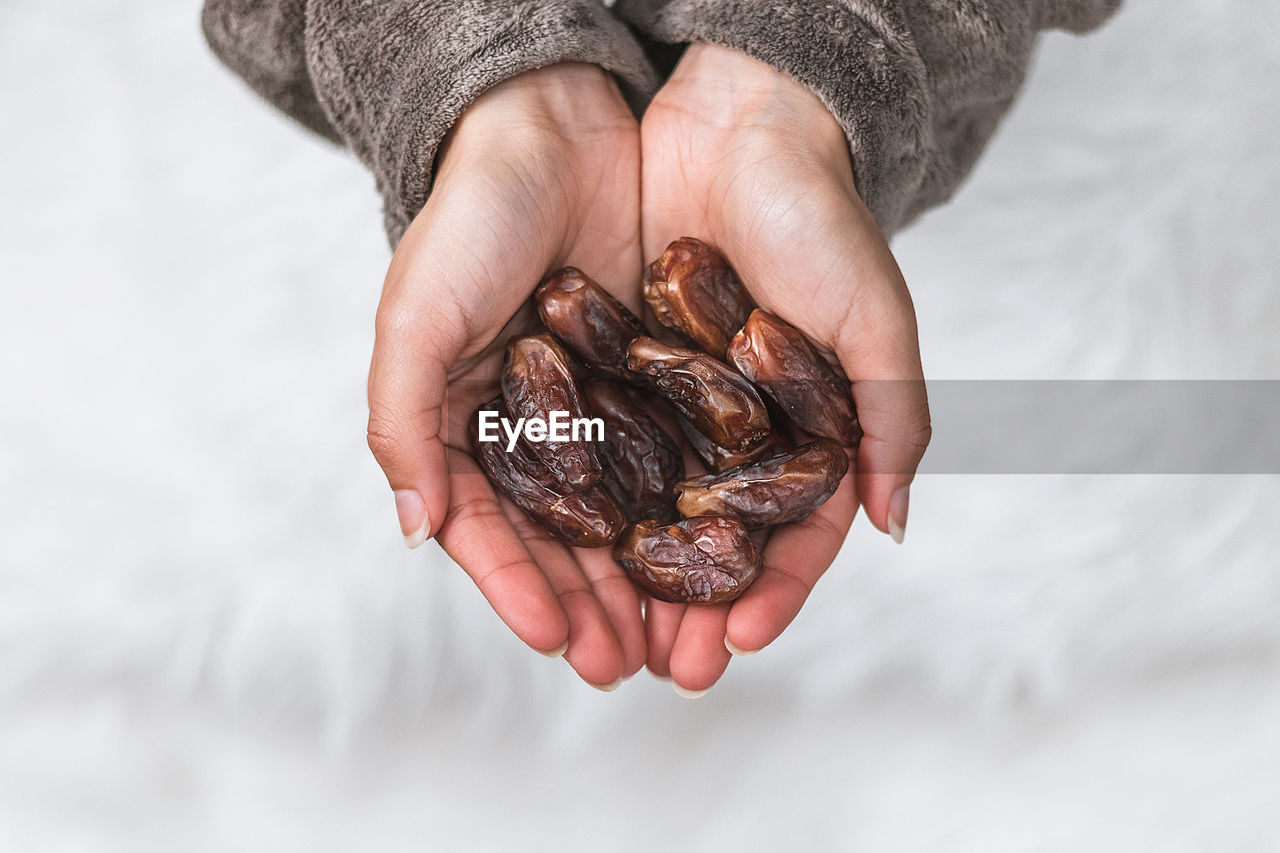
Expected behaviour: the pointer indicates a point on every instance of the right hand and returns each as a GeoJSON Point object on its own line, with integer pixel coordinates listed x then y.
{"type": "Point", "coordinates": [542, 171]}
{"type": "Point", "coordinates": [751, 161]}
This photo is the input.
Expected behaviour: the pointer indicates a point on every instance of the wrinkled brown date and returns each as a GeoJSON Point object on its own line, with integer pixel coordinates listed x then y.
{"type": "Point", "coordinates": [642, 464]}
{"type": "Point", "coordinates": [588, 519]}
{"type": "Point", "coordinates": [786, 487]}
{"type": "Point", "coordinates": [537, 380]}
{"type": "Point", "coordinates": [716, 399]}
{"type": "Point", "coordinates": [780, 359]}
{"type": "Point", "coordinates": [706, 560]}
{"type": "Point", "coordinates": [693, 290]}
{"type": "Point", "coordinates": [719, 458]}
{"type": "Point", "coordinates": [587, 319]}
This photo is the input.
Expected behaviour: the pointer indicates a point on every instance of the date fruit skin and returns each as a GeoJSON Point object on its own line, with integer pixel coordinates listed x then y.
{"type": "Point", "coordinates": [537, 379]}
{"type": "Point", "coordinates": [782, 488]}
{"type": "Point", "coordinates": [716, 399]}
{"type": "Point", "coordinates": [587, 319]}
{"type": "Point", "coordinates": [587, 519]}
{"type": "Point", "coordinates": [642, 464]}
{"type": "Point", "coordinates": [702, 560]}
{"type": "Point", "coordinates": [692, 289]}
{"type": "Point", "coordinates": [778, 358]}
{"type": "Point", "coordinates": [718, 458]}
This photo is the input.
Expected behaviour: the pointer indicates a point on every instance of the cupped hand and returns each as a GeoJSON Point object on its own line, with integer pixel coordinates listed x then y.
{"type": "Point", "coordinates": [541, 172]}
{"type": "Point", "coordinates": [751, 161]}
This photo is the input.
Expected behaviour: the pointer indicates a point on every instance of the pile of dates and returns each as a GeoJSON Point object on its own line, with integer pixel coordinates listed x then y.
{"type": "Point", "coordinates": [759, 406]}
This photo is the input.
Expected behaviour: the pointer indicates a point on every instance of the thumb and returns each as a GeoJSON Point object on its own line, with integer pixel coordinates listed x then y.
{"type": "Point", "coordinates": [449, 288]}
{"type": "Point", "coordinates": [877, 343]}
{"type": "Point", "coordinates": [847, 292]}
{"type": "Point", "coordinates": [407, 389]}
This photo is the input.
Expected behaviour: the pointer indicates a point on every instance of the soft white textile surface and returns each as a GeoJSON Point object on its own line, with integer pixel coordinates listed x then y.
{"type": "Point", "coordinates": [211, 637]}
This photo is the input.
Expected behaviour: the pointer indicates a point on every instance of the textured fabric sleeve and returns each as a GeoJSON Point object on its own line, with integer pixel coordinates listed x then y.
{"type": "Point", "coordinates": [917, 85]}
{"type": "Point", "coordinates": [263, 43]}
{"type": "Point", "coordinates": [389, 77]}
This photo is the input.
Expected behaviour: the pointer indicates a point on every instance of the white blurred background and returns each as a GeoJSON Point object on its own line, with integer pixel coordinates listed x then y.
{"type": "Point", "coordinates": [212, 638]}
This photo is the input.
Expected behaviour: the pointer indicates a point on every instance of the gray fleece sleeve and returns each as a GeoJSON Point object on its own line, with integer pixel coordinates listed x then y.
{"type": "Point", "coordinates": [917, 85]}
{"type": "Point", "coordinates": [390, 77]}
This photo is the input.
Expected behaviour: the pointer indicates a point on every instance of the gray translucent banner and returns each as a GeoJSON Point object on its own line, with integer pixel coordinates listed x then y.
{"type": "Point", "coordinates": [1066, 426]}
{"type": "Point", "coordinates": [1103, 427]}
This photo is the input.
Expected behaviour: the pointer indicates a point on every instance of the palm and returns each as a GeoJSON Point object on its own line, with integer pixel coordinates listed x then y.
{"type": "Point", "coordinates": [601, 237]}
{"type": "Point", "coordinates": [765, 199]}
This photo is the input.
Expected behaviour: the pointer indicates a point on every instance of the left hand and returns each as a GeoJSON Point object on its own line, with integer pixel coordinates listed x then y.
{"type": "Point", "coordinates": [540, 171]}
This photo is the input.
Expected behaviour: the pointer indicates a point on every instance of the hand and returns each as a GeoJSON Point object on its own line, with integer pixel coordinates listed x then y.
{"type": "Point", "coordinates": [751, 161]}
{"type": "Point", "coordinates": [541, 172]}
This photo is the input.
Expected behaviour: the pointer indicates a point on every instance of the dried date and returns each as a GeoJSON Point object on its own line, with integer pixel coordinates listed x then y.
{"type": "Point", "coordinates": [587, 319]}
{"type": "Point", "coordinates": [705, 560]}
{"type": "Point", "coordinates": [780, 359]}
{"type": "Point", "coordinates": [782, 488]}
{"type": "Point", "coordinates": [588, 518]}
{"type": "Point", "coordinates": [716, 399]}
{"type": "Point", "coordinates": [718, 458]}
{"type": "Point", "coordinates": [692, 289]}
{"type": "Point", "coordinates": [642, 463]}
{"type": "Point", "coordinates": [538, 379]}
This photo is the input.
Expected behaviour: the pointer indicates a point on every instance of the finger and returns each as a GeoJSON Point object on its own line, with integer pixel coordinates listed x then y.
{"type": "Point", "coordinates": [621, 603]}
{"type": "Point", "coordinates": [407, 383]}
{"type": "Point", "coordinates": [661, 624]}
{"type": "Point", "coordinates": [796, 556]}
{"type": "Point", "coordinates": [594, 650]}
{"type": "Point", "coordinates": [478, 536]}
{"type": "Point", "coordinates": [699, 657]}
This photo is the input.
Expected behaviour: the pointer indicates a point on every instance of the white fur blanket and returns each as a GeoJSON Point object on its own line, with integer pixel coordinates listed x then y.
{"type": "Point", "coordinates": [211, 637]}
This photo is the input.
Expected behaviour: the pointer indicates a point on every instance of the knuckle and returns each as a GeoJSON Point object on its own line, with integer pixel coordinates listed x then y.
{"type": "Point", "coordinates": [877, 309]}
{"type": "Point", "coordinates": [393, 321]}
{"type": "Point", "coordinates": [614, 588]}
{"type": "Point", "coordinates": [394, 432]}
{"type": "Point", "coordinates": [531, 531]}
{"type": "Point", "coordinates": [919, 430]}
{"type": "Point", "coordinates": [383, 438]}
{"type": "Point", "coordinates": [823, 528]}
{"type": "Point", "coordinates": [424, 324]}
{"type": "Point", "coordinates": [574, 596]}
{"type": "Point", "coordinates": [799, 589]}
{"type": "Point", "coordinates": [925, 435]}
{"type": "Point", "coordinates": [475, 513]}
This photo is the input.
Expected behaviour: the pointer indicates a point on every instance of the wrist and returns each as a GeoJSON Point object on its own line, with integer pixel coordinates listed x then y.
{"type": "Point", "coordinates": [734, 104]}
{"type": "Point", "coordinates": [727, 87]}
{"type": "Point", "coordinates": [557, 106]}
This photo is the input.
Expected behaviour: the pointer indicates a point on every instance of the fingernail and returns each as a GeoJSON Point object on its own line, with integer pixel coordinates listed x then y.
{"type": "Point", "coordinates": [898, 514]}
{"type": "Point", "coordinates": [660, 677]}
{"type": "Point", "coordinates": [687, 693]}
{"type": "Point", "coordinates": [607, 688]}
{"type": "Point", "coordinates": [414, 523]}
{"type": "Point", "coordinates": [557, 652]}
{"type": "Point", "coordinates": [735, 651]}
